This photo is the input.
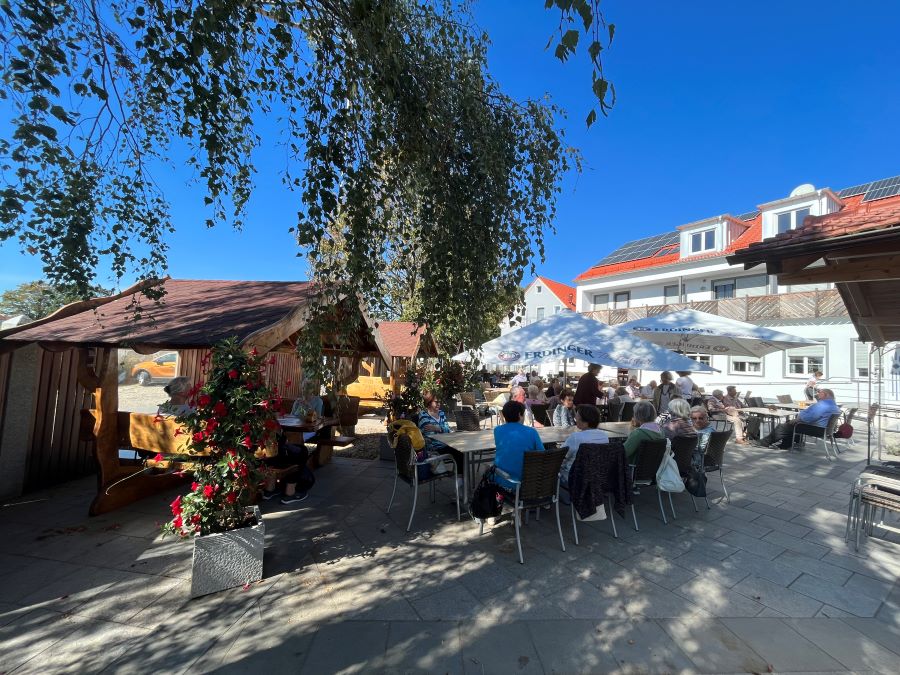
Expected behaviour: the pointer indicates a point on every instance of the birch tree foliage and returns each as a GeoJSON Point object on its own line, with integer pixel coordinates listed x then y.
{"type": "Point", "coordinates": [386, 107]}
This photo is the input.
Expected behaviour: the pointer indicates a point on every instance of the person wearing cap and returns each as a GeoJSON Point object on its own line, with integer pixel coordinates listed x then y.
{"type": "Point", "coordinates": [178, 390]}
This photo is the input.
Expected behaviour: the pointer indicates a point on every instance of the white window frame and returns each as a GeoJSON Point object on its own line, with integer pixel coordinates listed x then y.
{"type": "Point", "coordinates": [702, 234]}
{"type": "Point", "coordinates": [854, 374]}
{"type": "Point", "coordinates": [666, 297]}
{"type": "Point", "coordinates": [538, 313]}
{"type": "Point", "coordinates": [793, 217]}
{"type": "Point", "coordinates": [700, 358]}
{"type": "Point", "coordinates": [627, 295]}
{"type": "Point", "coordinates": [538, 289]}
{"type": "Point", "coordinates": [807, 369]}
{"type": "Point", "coordinates": [557, 309]}
{"type": "Point", "coordinates": [747, 359]}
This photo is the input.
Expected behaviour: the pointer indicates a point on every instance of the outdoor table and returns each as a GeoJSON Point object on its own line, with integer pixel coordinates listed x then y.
{"type": "Point", "coordinates": [323, 442]}
{"type": "Point", "coordinates": [469, 443]}
{"type": "Point", "coordinates": [616, 428]}
{"type": "Point", "coordinates": [771, 416]}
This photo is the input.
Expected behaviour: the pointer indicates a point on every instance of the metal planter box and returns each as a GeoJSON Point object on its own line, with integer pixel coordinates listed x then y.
{"type": "Point", "coordinates": [228, 559]}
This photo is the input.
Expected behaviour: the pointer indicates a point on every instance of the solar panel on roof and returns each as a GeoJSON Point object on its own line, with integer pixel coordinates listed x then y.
{"type": "Point", "coordinates": [750, 215]}
{"type": "Point", "coordinates": [880, 189]}
{"type": "Point", "coordinates": [640, 248]}
{"type": "Point", "coordinates": [855, 190]}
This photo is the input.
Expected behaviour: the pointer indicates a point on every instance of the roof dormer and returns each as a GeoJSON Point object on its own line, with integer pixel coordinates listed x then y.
{"type": "Point", "coordinates": [789, 213]}
{"type": "Point", "coordinates": [712, 235]}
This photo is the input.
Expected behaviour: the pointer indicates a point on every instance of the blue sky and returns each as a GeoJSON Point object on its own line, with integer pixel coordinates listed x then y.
{"type": "Point", "coordinates": [721, 106]}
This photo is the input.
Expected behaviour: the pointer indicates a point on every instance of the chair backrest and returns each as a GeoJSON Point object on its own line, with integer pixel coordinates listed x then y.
{"type": "Point", "coordinates": [721, 424]}
{"type": "Point", "coordinates": [467, 420]}
{"type": "Point", "coordinates": [627, 411]}
{"type": "Point", "coordinates": [851, 415]}
{"type": "Point", "coordinates": [540, 474]}
{"type": "Point", "coordinates": [757, 402]}
{"type": "Point", "coordinates": [405, 457]}
{"type": "Point", "coordinates": [467, 398]}
{"type": "Point", "coordinates": [873, 411]}
{"type": "Point", "coordinates": [615, 412]}
{"type": "Point", "coordinates": [832, 424]}
{"type": "Point", "coordinates": [539, 410]}
{"type": "Point", "coordinates": [649, 456]}
{"type": "Point", "coordinates": [715, 447]}
{"type": "Point", "coordinates": [604, 457]}
{"type": "Point", "coordinates": [479, 396]}
{"type": "Point", "coordinates": [785, 398]}
{"type": "Point", "coordinates": [683, 448]}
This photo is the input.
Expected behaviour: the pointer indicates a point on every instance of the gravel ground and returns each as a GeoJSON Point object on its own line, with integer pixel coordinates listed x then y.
{"type": "Point", "coordinates": [135, 398]}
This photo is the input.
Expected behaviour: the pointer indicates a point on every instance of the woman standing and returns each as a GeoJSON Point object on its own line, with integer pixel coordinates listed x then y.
{"type": "Point", "coordinates": [665, 392]}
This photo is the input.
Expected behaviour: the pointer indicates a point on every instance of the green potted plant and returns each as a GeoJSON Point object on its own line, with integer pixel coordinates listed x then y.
{"type": "Point", "coordinates": [233, 415]}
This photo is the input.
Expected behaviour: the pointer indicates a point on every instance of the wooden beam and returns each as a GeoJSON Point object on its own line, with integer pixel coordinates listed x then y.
{"type": "Point", "coordinates": [791, 265]}
{"type": "Point", "coordinates": [870, 269]}
{"type": "Point", "coordinates": [879, 320]}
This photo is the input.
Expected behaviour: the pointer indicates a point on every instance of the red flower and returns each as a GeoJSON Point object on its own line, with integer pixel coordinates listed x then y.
{"type": "Point", "coordinates": [254, 352]}
{"type": "Point", "coordinates": [211, 425]}
{"type": "Point", "coordinates": [270, 424]}
{"type": "Point", "coordinates": [176, 506]}
{"type": "Point", "coordinates": [233, 374]}
{"type": "Point", "coordinates": [219, 409]}
{"type": "Point", "coordinates": [177, 522]}
{"type": "Point", "coordinates": [195, 518]}
{"type": "Point", "coordinates": [242, 470]}
{"type": "Point", "coordinates": [179, 431]}
{"type": "Point", "coordinates": [157, 419]}
{"type": "Point", "coordinates": [288, 383]}
{"type": "Point", "coordinates": [194, 486]}
{"type": "Point", "coordinates": [198, 437]}
{"type": "Point", "coordinates": [247, 442]}
{"type": "Point", "coordinates": [209, 491]}
{"type": "Point", "coordinates": [231, 497]}
{"type": "Point", "coordinates": [204, 400]}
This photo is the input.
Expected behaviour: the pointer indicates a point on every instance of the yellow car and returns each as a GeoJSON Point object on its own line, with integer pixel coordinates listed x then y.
{"type": "Point", "coordinates": [160, 369]}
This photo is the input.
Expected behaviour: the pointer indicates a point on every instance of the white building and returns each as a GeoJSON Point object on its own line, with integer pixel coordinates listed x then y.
{"type": "Point", "coordinates": [686, 267]}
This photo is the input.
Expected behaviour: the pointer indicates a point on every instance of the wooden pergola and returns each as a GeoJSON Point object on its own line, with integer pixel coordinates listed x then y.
{"type": "Point", "coordinates": [857, 249]}
{"type": "Point", "coordinates": [192, 316]}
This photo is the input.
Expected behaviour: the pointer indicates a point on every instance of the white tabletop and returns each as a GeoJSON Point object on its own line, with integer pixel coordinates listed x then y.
{"type": "Point", "coordinates": [765, 412]}
{"type": "Point", "coordinates": [480, 441]}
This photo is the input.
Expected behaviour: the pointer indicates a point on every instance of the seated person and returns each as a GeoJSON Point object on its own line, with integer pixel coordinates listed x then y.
{"type": "Point", "coordinates": [633, 387]}
{"type": "Point", "coordinates": [648, 389]}
{"type": "Point", "coordinates": [178, 390]}
{"type": "Point", "coordinates": [622, 396]}
{"type": "Point", "coordinates": [519, 379]}
{"type": "Point", "coordinates": [512, 441]}
{"type": "Point", "coordinates": [644, 428]}
{"type": "Point", "coordinates": [730, 407]}
{"type": "Point", "coordinates": [297, 478]}
{"type": "Point", "coordinates": [701, 424]}
{"type": "Point", "coordinates": [518, 394]}
{"type": "Point", "coordinates": [818, 414]}
{"type": "Point", "coordinates": [587, 417]}
{"type": "Point", "coordinates": [679, 422]}
{"type": "Point", "coordinates": [554, 389]}
{"type": "Point", "coordinates": [564, 413]}
{"type": "Point", "coordinates": [535, 395]}
{"type": "Point", "coordinates": [308, 402]}
{"type": "Point", "coordinates": [433, 422]}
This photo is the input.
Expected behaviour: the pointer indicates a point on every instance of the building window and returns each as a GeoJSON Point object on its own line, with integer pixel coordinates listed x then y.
{"type": "Point", "coordinates": [723, 288]}
{"type": "Point", "coordinates": [745, 365]}
{"type": "Point", "coordinates": [703, 241]}
{"type": "Point", "coordinates": [670, 294]}
{"type": "Point", "coordinates": [601, 301]}
{"type": "Point", "coordinates": [791, 220]}
{"type": "Point", "coordinates": [804, 360]}
{"type": "Point", "coordinates": [540, 313]}
{"type": "Point", "coordinates": [620, 300]}
{"type": "Point", "coordinates": [538, 289]}
{"type": "Point", "coordinates": [705, 359]}
{"type": "Point", "coordinates": [860, 359]}
{"type": "Point", "coordinates": [557, 309]}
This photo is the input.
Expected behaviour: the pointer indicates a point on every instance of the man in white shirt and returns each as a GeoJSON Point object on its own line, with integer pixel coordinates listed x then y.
{"type": "Point", "coordinates": [519, 379]}
{"type": "Point", "coordinates": [685, 385]}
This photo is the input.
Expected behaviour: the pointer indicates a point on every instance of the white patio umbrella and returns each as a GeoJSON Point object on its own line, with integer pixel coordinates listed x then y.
{"type": "Point", "coordinates": [688, 330]}
{"type": "Point", "coordinates": [570, 335]}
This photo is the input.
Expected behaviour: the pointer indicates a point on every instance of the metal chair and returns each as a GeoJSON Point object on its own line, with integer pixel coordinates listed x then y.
{"type": "Point", "coordinates": [408, 472]}
{"type": "Point", "coordinates": [586, 454]}
{"type": "Point", "coordinates": [785, 398]}
{"type": "Point", "coordinates": [870, 420]}
{"type": "Point", "coordinates": [684, 447]}
{"type": "Point", "coordinates": [539, 486]}
{"type": "Point", "coordinates": [539, 412]}
{"type": "Point", "coordinates": [643, 472]}
{"type": "Point", "coordinates": [715, 457]}
{"type": "Point", "coordinates": [878, 487]}
{"type": "Point", "coordinates": [825, 434]}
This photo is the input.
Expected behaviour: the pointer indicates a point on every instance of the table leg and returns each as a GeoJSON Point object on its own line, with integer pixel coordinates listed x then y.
{"type": "Point", "coordinates": [465, 477]}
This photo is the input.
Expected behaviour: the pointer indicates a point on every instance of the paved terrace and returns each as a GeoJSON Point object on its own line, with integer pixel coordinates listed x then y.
{"type": "Point", "coordinates": [765, 583]}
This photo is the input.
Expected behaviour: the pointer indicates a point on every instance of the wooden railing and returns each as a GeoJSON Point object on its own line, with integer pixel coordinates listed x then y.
{"type": "Point", "coordinates": [752, 309]}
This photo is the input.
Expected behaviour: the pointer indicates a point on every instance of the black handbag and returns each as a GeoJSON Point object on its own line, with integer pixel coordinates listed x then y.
{"type": "Point", "coordinates": [695, 483]}
{"type": "Point", "coordinates": [486, 500]}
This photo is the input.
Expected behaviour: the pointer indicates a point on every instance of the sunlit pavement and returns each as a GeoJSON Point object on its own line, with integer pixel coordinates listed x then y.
{"type": "Point", "coordinates": [763, 583]}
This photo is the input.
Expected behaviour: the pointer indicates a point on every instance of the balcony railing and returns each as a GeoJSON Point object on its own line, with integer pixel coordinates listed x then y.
{"type": "Point", "coordinates": [752, 309]}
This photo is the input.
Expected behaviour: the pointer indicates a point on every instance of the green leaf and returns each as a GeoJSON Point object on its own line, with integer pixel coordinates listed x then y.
{"type": "Point", "coordinates": [591, 118]}
{"type": "Point", "coordinates": [570, 40]}
{"type": "Point", "coordinates": [612, 31]}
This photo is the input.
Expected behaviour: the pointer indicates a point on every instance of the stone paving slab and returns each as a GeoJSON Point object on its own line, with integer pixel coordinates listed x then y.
{"type": "Point", "coordinates": [347, 589]}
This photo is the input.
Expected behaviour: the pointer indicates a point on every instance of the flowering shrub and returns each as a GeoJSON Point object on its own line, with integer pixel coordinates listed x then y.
{"type": "Point", "coordinates": [234, 414]}
{"type": "Point", "coordinates": [445, 380]}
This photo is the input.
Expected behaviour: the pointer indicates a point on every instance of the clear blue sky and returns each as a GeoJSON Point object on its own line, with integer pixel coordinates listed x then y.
{"type": "Point", "coordinates": [721, 106]}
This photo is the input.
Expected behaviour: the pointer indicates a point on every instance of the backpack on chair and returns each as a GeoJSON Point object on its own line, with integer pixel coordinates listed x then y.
{"type": "Point", "coordinates": [486, 501]}
{"type": "Point", "coordinates": [844, 431]}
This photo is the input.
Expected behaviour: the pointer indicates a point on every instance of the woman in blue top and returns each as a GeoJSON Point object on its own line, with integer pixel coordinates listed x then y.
{"type": "Point", "coordinates": [512, 441]}
{"type": "Point", "coordinates": [433, 421]}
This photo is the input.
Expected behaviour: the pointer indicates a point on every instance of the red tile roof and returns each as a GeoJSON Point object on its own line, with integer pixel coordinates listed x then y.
{"type": "Point", "coordinates": [565, 293]}
{"type": "Point", "coordinates": [855, 217]}
{"type": "Point", "coordinates": [401, 338]}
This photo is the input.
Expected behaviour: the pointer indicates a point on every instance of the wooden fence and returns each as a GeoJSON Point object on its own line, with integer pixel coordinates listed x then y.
{"type": "Point", "coordinates": [284, 373]}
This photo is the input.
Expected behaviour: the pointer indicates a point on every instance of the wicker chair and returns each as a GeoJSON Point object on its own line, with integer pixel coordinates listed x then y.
{"type": "Point", "coordinates": [539, 486]}
{"type": "Point", "coordinates": [715, 457]}
{"type": "Point", "coordinates": [825, 434]}
{"type": "Point", "coordinates": [467, 420]}
{"type": "Point", "coordinates": [627, 411]}
{"type": "Point", "coordinates": [609, 487]}
{"type": "Point", "coordinates": [643, 473]}
{"type": "Point", "coordinates": [615, 412]}
{"type": "Point", "coordinates": [684, 447]}
{"type": "Point", "coordinates": [408, 472]}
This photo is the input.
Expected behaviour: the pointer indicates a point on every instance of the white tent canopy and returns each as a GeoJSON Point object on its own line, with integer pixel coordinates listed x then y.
{"type": "Point", "coordinates": [688, 330]}
{"type": "Point", "coordinates": [571, 335]}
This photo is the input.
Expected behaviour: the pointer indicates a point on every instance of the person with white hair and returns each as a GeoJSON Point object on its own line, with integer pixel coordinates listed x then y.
{"type": "Point", "coordinates": [178, 389]}
{"type": "Point", "coordinates": [679, 423]}
{"type": "Point", "coordinates": [731, 409]}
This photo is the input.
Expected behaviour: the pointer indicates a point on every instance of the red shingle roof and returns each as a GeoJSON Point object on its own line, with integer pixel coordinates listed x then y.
{"type": "Point", "coordinates": [401, 337]}
{"type": "Point", "coordinates": [565, 293]}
